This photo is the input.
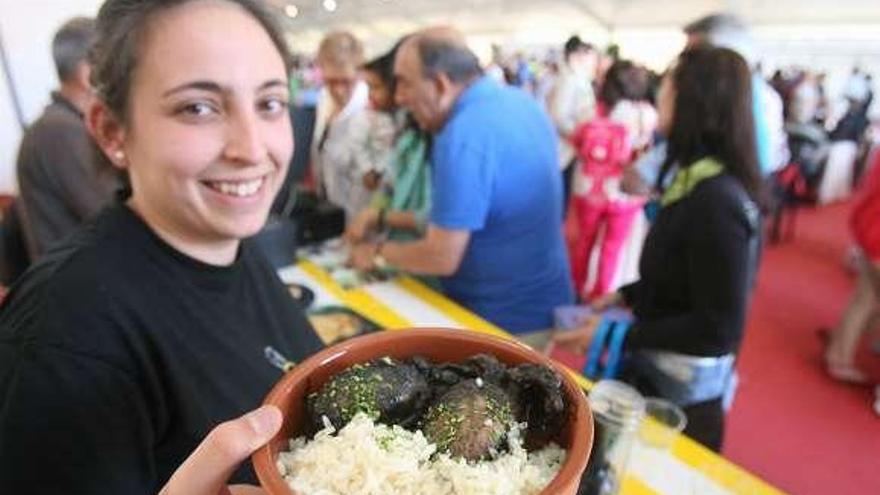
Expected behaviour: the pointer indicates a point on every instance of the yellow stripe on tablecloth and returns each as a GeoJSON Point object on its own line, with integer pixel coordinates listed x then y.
{"type": "Point", "coordinates": [449, 308]}
{"type": "Point", "coordinates": [378, 311]}
{"type": "Point", "coordinates": [358, 300]}
{"type": "Point", "coordinates": [719, 469]}
{"type": "Point", "coordinates": [323, 278]}
{"type": "Point", "coordinates": [632, 486]}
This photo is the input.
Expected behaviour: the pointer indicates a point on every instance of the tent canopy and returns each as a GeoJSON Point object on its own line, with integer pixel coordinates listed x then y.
{"type": "Point", "coordinates": [610, 14]}
{"type": "Point", "coordinates": [646, 29]}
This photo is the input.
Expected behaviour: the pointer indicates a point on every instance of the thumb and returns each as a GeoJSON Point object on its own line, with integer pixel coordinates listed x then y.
{"type": "Point", "coordinates": [207, 469]}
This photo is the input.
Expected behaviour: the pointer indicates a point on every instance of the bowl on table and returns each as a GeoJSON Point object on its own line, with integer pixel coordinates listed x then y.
{"type": "Point", "coordinates": [438, 345]}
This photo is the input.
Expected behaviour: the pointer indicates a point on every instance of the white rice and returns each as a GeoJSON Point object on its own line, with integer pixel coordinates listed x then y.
{"type": "Point", "coordinates": [367, 458]}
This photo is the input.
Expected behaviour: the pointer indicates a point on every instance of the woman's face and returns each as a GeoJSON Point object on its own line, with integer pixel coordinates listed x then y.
{"type": "Point", "coordinates": [380, 95]}
{"type": "Point", "coordinates": [665, 104]}
{"type": "Point", "coordinates": [208, 138]}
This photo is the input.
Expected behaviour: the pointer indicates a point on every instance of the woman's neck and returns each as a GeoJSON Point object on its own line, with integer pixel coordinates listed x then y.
{"type": "Point", "coordinates": [216, 252]}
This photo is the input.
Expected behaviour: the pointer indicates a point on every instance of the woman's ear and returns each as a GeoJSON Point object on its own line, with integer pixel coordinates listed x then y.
{"type": "Point", "coordinates": [108, 133]}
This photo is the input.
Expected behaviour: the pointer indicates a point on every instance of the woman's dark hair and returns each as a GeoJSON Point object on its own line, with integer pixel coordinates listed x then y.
{"type": "Point", "coordinates": [713, 117]}
{"type": "Point", "coordinates": [623, 81]}
{"type": "Point", "coordinates": [654, 81]}
{"type": "Point", "coordinates": [383, 66]}
{"type": "Point", "coordinates": [121, 26]}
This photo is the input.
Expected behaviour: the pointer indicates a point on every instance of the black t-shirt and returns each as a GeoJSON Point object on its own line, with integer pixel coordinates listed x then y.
{"type": "Point", "coordinates": [118, 354]}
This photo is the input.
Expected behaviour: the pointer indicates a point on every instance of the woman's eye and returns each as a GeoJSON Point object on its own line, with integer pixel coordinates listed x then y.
{"type": "Point", "coordinates": [273, 105]}
{"type": "Point", "coordinates": [198, 109]}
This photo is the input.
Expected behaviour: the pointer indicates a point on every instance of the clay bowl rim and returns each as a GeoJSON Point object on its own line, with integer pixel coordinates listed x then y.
{"type": "Point", "coordinates": [264, 461]}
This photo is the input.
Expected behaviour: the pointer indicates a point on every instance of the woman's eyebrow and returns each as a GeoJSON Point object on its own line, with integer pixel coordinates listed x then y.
{"type": "Point", "coordinates": [200, 85]}
{"type": "Point", "coordinates": [213, 87]}
{"type": "Point", "coordinates": [273, 84]}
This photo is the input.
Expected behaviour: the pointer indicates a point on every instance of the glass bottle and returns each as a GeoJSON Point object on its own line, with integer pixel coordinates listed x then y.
{"type": "Point", "coordinates": [618, 410]}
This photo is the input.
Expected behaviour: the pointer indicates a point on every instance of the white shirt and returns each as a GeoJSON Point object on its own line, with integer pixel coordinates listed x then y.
{"type": "Point", "coordinates": [640, 120]}
{"type": "Point", "coordinates": [772, 107]}
{"type": "Point", "coordinates": [357, 141]}
{"type": "Point", "coordinates": [571, 102]}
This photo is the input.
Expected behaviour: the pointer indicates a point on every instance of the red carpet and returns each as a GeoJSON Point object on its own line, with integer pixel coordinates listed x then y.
{"type": "Point", "coordinates": [790, 424]}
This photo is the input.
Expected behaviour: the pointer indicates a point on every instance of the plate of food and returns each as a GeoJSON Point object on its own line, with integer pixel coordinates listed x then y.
{"type": "Point", "coordinates": [337, 323]}
{"type": "Point", "coordinates": [333, 257]}
{"type": "Point", "coordinates": [427, 411]}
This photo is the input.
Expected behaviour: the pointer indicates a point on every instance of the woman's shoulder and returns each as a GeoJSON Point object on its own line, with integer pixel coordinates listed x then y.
{"type": "Point", "coordinates": [79, 271]}
{"type": "Point", "coordinates": [81, 252]}
{"type": "Point", "coordinates": [725, 196]}
{"type": "Point", "coordinates": [722, 187]}
{"type": "Point", "coordinates": [64, 301]}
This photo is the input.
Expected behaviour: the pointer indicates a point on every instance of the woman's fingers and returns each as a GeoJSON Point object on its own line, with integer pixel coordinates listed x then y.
{"type": "Point", "coordinates": [207, 469]}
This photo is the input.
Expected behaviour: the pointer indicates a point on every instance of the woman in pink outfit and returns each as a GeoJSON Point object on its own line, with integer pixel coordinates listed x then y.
{"type": "Point", "coordinates": [605, 146]}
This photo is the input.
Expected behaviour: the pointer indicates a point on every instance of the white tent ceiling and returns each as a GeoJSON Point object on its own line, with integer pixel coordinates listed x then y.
{"type": "Point", "coordinates": [608, 13]}
{"type": "Point", "coordinates": [649, 30]}
{"type": "Point", "coordinates": [825, 35]}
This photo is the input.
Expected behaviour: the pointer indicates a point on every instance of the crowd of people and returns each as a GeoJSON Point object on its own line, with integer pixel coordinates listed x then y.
{"type": "Point", "coordinates": [829, 142]}
{"type": "Point", "coordinates": [143, 325]}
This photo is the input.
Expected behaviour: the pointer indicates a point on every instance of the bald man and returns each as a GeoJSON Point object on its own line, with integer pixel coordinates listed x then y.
{"type": "Point", "coordinates": [494, 234]}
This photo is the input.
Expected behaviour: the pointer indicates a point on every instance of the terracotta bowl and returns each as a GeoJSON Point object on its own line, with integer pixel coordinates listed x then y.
{"type": "Point", "coordinates": [439, 345]}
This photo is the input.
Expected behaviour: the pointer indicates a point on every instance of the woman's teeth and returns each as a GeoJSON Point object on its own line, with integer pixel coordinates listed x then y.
{"type": "Point", "coordinates": [239, 189]}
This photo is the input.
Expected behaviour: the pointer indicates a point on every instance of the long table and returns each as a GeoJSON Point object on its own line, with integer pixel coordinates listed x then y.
{"type": "Point", "coordinates": [686, 469]}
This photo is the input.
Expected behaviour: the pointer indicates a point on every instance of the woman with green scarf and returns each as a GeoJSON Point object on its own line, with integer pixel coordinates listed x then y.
{"type": "Point", "coordinates": [400, 207]}
{"type": "Point", "coordinates": [699, 259]}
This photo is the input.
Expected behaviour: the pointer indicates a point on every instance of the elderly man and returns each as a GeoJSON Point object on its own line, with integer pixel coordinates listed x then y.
{"type": "Point", "coordinates": [61, 182]}
{"type": "Point", "coordinates": [494, 233]}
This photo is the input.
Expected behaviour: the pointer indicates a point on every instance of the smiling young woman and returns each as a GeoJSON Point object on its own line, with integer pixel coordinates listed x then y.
{"type": "Point", "coordinates": [129, 342]}
{"type": "Point", "coordinates": [206, 135]}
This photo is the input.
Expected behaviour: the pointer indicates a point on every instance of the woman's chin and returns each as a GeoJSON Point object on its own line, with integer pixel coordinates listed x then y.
{"type": "Point", "coordinates": [240, 227]}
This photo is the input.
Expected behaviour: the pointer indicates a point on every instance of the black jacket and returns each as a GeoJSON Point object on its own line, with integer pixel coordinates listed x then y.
{"type": "Point", "coordinates": [697, 268]}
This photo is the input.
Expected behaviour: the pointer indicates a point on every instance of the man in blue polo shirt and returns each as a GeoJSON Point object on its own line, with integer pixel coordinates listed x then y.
{"type": "Point", "coordinates": [495, 234]}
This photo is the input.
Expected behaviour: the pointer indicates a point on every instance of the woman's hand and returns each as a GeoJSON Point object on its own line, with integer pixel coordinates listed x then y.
{"type": "Point", "coordinates": [371, 180]}
{"type": "Point", "coordinates": [577, 340]}
{"type": "Point", "coordinates": [363, 224]}
{"type": "Point", "coordinates": [362, 256]}
{"type": "Point", "coordinates": [608, 300]}
{"type": "Point", "coordinates": [632, 183]}
{"type": "Point", "coordinates": [207, 469]}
